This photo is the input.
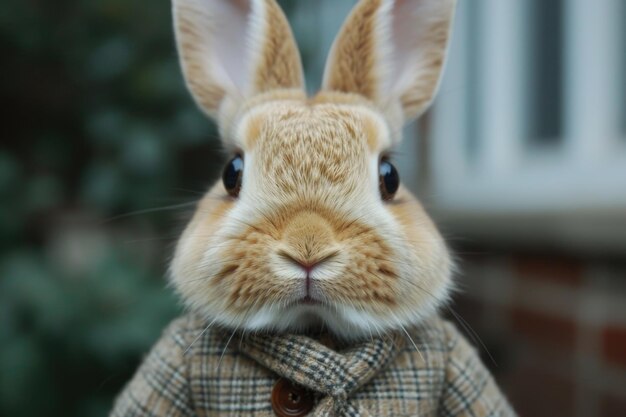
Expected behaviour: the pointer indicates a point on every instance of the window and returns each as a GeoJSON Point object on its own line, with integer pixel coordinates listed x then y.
{"type": "Point", "coordinates": [529, 129]}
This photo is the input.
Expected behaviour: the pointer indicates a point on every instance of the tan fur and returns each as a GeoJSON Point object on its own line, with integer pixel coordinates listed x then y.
{"type": "Point", "coordinates": [280, 65]}
{"type": "Point", "coordinates": [354, 54]}
{"type": "Point", "coordinates": [310, 199]}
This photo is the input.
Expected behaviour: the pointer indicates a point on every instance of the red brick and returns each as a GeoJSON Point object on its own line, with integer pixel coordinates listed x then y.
{"type": "Point", "coordinates": [536, 393]}
{"type": "Point", "coordinates": [612, 406]}
{"type": "Point", "coordinates": [543, 329]}
{"type": "Point", "coordinates": [559, 270]}
{"type": "Point", "coordinates": [614, 345]}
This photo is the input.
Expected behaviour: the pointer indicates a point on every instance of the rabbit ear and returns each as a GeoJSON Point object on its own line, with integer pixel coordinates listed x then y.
{"type": "Point", "coordinates": [234, 49]}
{"type": "Point", "coordinates": [392, 52]}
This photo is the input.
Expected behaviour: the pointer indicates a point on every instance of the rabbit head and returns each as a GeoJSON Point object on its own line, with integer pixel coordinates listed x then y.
{"type": "Point", "coordinates": [309, 225]}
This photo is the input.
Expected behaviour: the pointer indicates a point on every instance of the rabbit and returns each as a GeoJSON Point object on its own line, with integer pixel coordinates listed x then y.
{"type": "Point", "coordinates": [315, 229]}
{"type": "Point", "coordinates": [309, 248]}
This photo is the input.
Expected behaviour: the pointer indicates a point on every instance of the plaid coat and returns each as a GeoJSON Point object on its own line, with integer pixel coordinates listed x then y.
{"type": "Point", "coordinates": [193, 372]}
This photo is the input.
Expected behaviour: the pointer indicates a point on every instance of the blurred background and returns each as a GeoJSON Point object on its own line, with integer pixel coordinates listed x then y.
{"type": "Point", "coordinates": [522, 161]}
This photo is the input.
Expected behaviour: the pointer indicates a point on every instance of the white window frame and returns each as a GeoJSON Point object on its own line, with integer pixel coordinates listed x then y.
{"type": "Point", "coordinates": [574, 194]}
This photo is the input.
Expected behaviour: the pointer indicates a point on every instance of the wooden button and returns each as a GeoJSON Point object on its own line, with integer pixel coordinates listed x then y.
{"type": "Point", "coordinates": [291, 400]}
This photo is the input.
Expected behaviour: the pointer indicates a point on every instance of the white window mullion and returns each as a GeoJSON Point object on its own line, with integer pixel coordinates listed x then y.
{"type": "Point", "coordinates": [502, 102]}
{"type": "Point", "coordinates": [592, 90]}
{"type": "Point", "coordinates": [449, 130]}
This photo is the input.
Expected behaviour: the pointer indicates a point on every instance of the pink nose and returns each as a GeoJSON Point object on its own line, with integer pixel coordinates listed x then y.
{"type": "Point", "coordinates": [306, 264]}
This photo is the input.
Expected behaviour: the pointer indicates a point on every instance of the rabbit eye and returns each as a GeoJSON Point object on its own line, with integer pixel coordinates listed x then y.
{"type": "Point", "coordinates": [389, 179]}
{"type": "Point", "coordinates": [232, 175]}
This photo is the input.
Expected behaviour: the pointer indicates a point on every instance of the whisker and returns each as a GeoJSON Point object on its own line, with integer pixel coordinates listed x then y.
{"type": "Point", "coordinates": [219, 363]}
{"type": "Point", "coordinates": [200, 193]}
{"type": "Point", "coordinates": [146, 211]}
{"type": "Point", "coordinates": [199, 336]}
{"type": "Point", "coordinates": [409, 336]}
{"type": "Point", "coordinates": [472, 333]}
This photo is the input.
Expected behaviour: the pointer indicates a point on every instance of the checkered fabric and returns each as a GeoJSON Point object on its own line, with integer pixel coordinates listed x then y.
{"type": "Point", "coordinates": [193, 372]}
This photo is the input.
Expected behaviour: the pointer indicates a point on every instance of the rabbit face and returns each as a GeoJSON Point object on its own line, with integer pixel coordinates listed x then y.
{"type": "Point", "coordinates": [310, 238]}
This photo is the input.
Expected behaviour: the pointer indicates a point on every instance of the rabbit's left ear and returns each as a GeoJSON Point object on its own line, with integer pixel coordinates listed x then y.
{"type": "Point", "coordinates": [392, 52]}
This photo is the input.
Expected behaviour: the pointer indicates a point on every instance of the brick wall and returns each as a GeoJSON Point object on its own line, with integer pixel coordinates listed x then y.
{"type": "Point", "coordinates": [553, 329]}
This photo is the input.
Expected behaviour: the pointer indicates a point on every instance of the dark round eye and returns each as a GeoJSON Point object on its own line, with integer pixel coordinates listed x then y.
{"type": "Point", "coordinates": [389, 179]}
{"type": "Point", "coordinates": [232, 175]}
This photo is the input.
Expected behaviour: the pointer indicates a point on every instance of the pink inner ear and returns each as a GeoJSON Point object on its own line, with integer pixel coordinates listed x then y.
{"type": "Point", "coordinates": [242, 5]}
{"type": "Point", "coordinates": [230, 60]}
{"type": "Point", "coordinates": [402, 36]}
{"type": "Point", "coordinates": [408, 22]}
{"type": "Point", "coordinates": [411, 22]}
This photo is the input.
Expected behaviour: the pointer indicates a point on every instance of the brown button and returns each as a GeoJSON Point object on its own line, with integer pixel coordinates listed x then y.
{"type": "Point", "coordinates": [291, 400]}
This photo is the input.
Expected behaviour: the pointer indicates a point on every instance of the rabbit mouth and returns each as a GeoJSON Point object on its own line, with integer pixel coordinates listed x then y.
{"type": "Point", "coordinates": [308, 300]}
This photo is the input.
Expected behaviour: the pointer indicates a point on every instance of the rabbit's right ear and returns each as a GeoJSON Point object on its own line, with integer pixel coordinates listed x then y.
{"type": "Point", "coordinates": [234, 49]}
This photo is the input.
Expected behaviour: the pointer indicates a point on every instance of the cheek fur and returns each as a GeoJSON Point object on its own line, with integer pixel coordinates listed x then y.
{"type": "Point", "coordinates": [428, 264]}
{"type": "Point", "coordinates": [246, 275]}
{"type": "Point", "coordinates": [188, 270]}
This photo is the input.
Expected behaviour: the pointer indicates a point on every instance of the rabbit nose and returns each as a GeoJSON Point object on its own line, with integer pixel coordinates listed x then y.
{"type": "Point", "coordinates": [307, 264]}
{"type": "Point", "coordinates": [309, 240]}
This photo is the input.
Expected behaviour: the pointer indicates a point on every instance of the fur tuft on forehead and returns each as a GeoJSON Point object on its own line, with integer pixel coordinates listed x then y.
{"type": "Point", "coordinates": [318, 120]}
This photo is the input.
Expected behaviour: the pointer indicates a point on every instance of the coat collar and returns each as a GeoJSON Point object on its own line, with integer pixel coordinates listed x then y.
{"type": "Point", "coordinates": [333, 374]}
